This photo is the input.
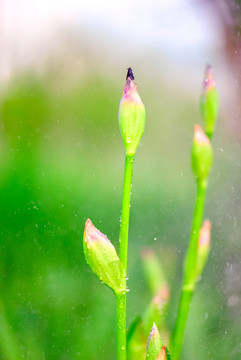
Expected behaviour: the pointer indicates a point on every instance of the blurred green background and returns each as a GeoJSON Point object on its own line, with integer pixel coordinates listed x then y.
{"type": "Point", "coordinates": [62, 161]}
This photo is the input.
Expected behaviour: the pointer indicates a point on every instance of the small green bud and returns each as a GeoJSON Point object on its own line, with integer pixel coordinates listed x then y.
{"type": "Point", "coordinates": [154, 343]}
{"type": "Point", "coordinates": [132, 115]}
{"type": "Point", "coordinates": [209, 102]}
{"type": "Point", "coordinates": [202, 155]}
{"type": "Point", "coordinates": [102, 258]}
{"type": "Point", "coordinates": [203, 246]}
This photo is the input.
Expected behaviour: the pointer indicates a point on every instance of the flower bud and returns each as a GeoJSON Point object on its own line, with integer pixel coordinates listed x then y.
{"type": "Point", "coordinates": [202, 155]}
{"type": "Point", "coordinates": [154, 344]}
{"type": "Point", "coordinates": [203, 246]}
{"type": "Point", "coordinates": [102, 258]}
{"type": "Point", "coordinates": [209, 102]}
{"type": "Point", "coordinates": [132, 115]}
{"type": "Point", "coordinates": [163, 354]}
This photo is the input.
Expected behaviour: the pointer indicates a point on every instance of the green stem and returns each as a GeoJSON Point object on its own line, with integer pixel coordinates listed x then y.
{"type": "Point", "coordinates": [124, 230]}
{"type": "Point", "coordinates": [125, 211]}
{"type": "Point", "coordinates": [121, 325]}
{"type": "Point", "coordinates": [189, 280]}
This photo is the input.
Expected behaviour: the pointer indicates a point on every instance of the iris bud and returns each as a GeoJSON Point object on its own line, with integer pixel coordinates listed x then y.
{"type": "Point", "coordinates": [164, 354]}
{"type": "Point", "coordinates": [102, 258]}
{"type": "Point", "coordinates": [154, 343]}
{"type": "Point", "coordinates": [209, 102]}
{"type": "Point", "coordinates": [132, 115]}
{"type": "Point", "coordinates": [202, 155]}
{"type": "Point", "coordinates": [203, 246]}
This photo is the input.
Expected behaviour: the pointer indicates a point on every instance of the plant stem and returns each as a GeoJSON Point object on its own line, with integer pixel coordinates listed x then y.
{"type": "Point", "coordinates": [124, 229]}
{"type": "Point", "coordinates": [121, 325]}
{"type": "Point", "coordinates": [189, 279]}
{"type": "Point", "coordinates": [125, 212]}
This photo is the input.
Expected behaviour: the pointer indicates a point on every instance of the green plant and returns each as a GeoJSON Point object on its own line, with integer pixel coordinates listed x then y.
{"type": "Point", "coordinates": [201, 164]}
{"type": "Point", "coordinates": [112, 269]}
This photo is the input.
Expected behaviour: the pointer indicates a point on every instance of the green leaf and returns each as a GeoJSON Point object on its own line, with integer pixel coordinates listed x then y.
{"type": "Point", "coordinates": [136, 341]}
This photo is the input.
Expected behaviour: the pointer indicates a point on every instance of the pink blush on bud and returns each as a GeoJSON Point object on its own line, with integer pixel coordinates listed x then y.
{"type": "Point", "coordinates": [162, 296]}
{"type": "Point", "coordinates": [199, 136]}
{"type": "Point", "coordinates": [162, 354]}
{"type": "Point", "coordinates": [130, 93]}
{"type": "Point", "coordinates": [209, 81]}
{"type": "Point", "coordinates": [204, 238]}
{"type": "Point", "coordinates": [154, 332]}
{"type": "Point", "coordinates": [92, 234]}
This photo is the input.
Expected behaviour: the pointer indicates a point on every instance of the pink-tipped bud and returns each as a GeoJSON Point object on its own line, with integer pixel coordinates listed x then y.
{"type": "Point", "coordinates": [92, 234]}
{"type": "Point", "coordinates": [162, 297]}
{"type": "Point", "coordinates": [130, 93]}
{"type": "Point", "coordinates": [209, 81]}
{"type": "Point", "coordinates": [156, 311]}
{"type": "Point", "coordinates": [202, 155]}
{"type": "Point", "coordinates": [200, 137]}
{"type": "Point", "coordinates": [154, 343]}
{"type": "Point", "coordinates": [132, 115]}
{"type": "Point", "coordinates": [205, 234]}
{"type": "Point", "coordinates": [102, 258]}
{"type": "Point", "coordinates": [203, 247]}
{"type": "Point", "coordinates": [162, 354]}
{"type": "Point", "coordinates": [154, 333]}
{"type": "Point", "coordinates": [209, 101]}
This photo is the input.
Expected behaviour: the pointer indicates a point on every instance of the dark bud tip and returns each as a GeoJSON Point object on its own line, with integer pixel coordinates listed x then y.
{"type": "Point", "coordinates": [130, 74]}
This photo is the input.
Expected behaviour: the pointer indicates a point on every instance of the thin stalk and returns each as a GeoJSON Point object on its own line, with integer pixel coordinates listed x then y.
{"type": "Point", "coordinates": [125, 211]}
{"type": "Point", "coordinates": [121, 325]}
{"type": "Point", "coordinates": [189, 279]}
{"type": "Point", "coordinates": [124, 230]}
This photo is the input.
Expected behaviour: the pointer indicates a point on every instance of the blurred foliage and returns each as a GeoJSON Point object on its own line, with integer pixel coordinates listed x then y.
{"type": "Point", "coordinates": [62, 162]}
